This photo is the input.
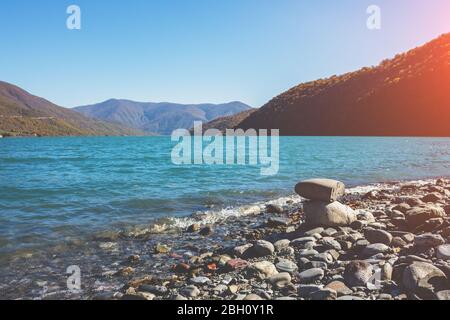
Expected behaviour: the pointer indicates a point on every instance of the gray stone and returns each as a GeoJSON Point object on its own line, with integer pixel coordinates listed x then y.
{"type": "Point", "coordinates": [307, 253]}
{"type": "Point", "coordinates": [358, 273]}
{"type": "Point", "coordinates": [281, 244]}
{"type": "Point", "coordinates": [239, 250]}
{"type": "Point", "coordinates": [424, 279]}
{"type": "Point", "coordinates": [261, 248]}
{"type": "Point", "coordinates": [285, 265]}
{"type": "Point", "coordinates": [263, 269]}
{"type": "Point", "coordinates": [280, 280]}
{"type": "Point", "coordinates": [428, 240]}
{"type": "Point", "coordinates": [300, 242]}
{"type": "Point", "coordinates": [200, 280]}
{"type": "Point", "coordinates": [320, 189]}
{"type": "Point", "coordinates": [253, 297]}
{"type": "Point", "coordinates": [305, 290]}
{"type": "Point", "coordinates": [274, 208]}
{"type": "Point", "coordinates": [378, 236]}
{"type": "Point", "coordinates": [314, 231]}
{"type": "Point", "coordinates": [418, 215]}
{"type": "Point", "coordinates": [311, 275]}
{"type": "Point", "coordinates": [340, 288]}
{"type": "Point", "coordinates": [328, 214]}
{"type": "Point", "coordinates": [190, 291]}
{"type": "Point", "coordinates": [443, 252]}
{"type": "Point", "coordinates": [324, 294]}
{"type": "Point", "coordinates": [275, 222]}
{"type": "Point", "coordinates": [374, 249]}
{"type": "Point", "coordinates": [330, 243]}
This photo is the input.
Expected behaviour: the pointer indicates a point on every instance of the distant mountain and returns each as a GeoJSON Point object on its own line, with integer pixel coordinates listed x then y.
{"type": "Point", "coordinates": [22, 114]}
{"type": "Point", "coordinates": [406, 96]}
{"type": "Point", "coordinates": [161, 118]}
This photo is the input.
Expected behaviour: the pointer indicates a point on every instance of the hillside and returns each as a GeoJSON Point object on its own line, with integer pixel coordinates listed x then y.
{"type": "Point", "coordinates": [228, 122]}
{"type": "Point", "coordinates": [22, 114]}
{"type": "Point", "coordinates": [161, 118]}
{"type": "Point", "coordinates": [405, 96]}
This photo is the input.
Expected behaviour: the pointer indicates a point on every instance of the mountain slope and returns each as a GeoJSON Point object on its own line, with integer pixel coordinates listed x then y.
{"type": "Point", "coordinates": [22, 114]}
{"type": "Point", "coordinates": [161, 118]}
{"type": "Point", "coordinates": [406, 96]}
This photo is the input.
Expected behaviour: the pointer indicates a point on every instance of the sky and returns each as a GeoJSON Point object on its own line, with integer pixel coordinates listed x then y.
{"type": "Point", "coordinates": [195, 51]}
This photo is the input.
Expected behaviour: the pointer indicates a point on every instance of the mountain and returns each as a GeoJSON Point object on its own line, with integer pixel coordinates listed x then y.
{"type": "Point", "coordinates": [161, 118]}
{"type": "Point", "coordinates": [408, 95]}
{"type": "Point", "coordinates": [22, 114]}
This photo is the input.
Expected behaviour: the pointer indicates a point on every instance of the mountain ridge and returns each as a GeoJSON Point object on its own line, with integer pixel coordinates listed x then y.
{"type": "Point", "coordinates": [159, 117]}
{"type": "Point", "coordinates": [24, 114]}
{"type": "Point", "coordinates": [408, 95]}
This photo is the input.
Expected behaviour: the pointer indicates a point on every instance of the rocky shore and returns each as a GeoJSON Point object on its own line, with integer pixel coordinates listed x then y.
{"type": "Point", "coordinates": [387, 244]}
{"type": "Point", "coordinates": [380, 242]}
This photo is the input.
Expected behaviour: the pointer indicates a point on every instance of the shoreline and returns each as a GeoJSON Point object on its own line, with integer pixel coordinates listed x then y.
{"type": "Point", "coordinates": [197, 257]}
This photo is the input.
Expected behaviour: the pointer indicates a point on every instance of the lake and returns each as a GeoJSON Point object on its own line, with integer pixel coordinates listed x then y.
{"type": "Point", "coordinates": [58, 188]}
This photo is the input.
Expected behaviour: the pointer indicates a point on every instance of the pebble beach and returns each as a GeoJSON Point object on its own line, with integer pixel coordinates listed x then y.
{"type": "Point", "coordinates": [377, 242]}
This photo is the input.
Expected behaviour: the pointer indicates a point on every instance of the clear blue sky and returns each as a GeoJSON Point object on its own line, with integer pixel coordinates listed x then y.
{"type": "Point", "coordinates": [193, 51]}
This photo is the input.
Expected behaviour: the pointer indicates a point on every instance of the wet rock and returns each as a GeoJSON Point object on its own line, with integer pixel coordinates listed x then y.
{"type": "Point", "coordinates": [443, 252]}
{"type": "Point", "coordinates": [261, 248]}
{"type": "Point", "coordinates": [340, 288]}
{"type": "Point", "coordinates": [161, 249]}
{"type": "Point", "coordinates": [127, 271]}
{"type": "Point", "coordinates": [276, 222]}
{"type": "Point", "coordinates": [193, 228]}
{"type": "Point", "coordinates": [418, 215]}
{"type": "Point", "coordinates": [358, 273]}
{"type": "Point", "coordinates": [280, 280]}
{"type": "Point", "coordinates": [326, 190]}
{"type": "Point", "coordinates": [274, 208]}
{"type": "Point", "coordinates": [424, 279]}
{"type": "Point", "coordinates": [328, 214]}
{"type": "Point", "coordinates": [182, 268]}
{"type": "Point", "coordinates": [206, 231]}
{"type": "Point", "coordinates": [190, 291]}
{"type": "Point", "coordinates": [374, 249]}
{"type": "Point", "coordinates": [311, 275]}
{"type": "Point", "coordinates": [134, 258]}
{"type": "Point", "coordinates": [378, 236]}
{"type": "Point", "coordinates": [262, 269]}
{"type": "Point", "coordinates": [428, 240]}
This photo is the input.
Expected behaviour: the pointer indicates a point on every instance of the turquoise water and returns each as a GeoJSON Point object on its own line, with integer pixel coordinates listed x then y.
{"type": "Point", "coordinates": [54, 188]}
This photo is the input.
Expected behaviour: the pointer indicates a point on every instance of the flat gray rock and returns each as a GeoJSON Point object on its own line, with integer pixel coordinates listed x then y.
{"type": "Point", "coordinates": [320, 189]}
